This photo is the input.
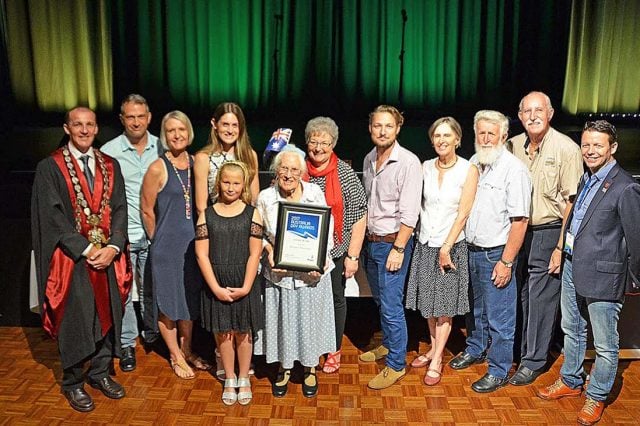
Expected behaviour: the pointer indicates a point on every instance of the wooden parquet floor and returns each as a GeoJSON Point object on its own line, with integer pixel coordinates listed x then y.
{"type": "Point", "coordinates": [30, 374]}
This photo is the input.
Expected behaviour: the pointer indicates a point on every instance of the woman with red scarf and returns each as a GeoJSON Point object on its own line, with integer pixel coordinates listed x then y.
{"type": "Point", "coordinates": [346, 197]}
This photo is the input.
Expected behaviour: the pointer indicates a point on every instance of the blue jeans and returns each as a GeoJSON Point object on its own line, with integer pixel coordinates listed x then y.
{"type": "Point", "coordinates": [387, 289]}
{"type": "Point", "coordinates": [494, 313]}
{"type": "Point", "coordinates": [138, 252]}
{"type": "Point", "coordinates": [604, 315]}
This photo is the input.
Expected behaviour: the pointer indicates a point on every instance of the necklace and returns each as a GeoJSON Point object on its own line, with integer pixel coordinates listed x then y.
{"type": "Point", "coordinates": [186, 191]}
{"type": "Point", "coordinates": [95, 235]}
{"type": "Point", "coordinates": [449, 166]}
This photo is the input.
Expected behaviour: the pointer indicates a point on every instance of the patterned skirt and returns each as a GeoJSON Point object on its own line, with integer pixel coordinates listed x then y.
{"type": "Point", "coordinates": [431, 292]}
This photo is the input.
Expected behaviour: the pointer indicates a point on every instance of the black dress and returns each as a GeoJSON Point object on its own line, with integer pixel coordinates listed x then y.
{"type": "Point", "coordinates": [228, 253]}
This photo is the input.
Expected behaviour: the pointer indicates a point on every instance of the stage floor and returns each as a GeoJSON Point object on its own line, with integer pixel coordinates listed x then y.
{"type": "Point", "coordinates": [29, 394]}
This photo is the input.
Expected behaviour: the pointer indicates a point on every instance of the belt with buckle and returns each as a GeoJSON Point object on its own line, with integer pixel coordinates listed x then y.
{"type": "Point", "coordinates": [389, 238]}
{"type": "Point", "coordinates": [551, 225]}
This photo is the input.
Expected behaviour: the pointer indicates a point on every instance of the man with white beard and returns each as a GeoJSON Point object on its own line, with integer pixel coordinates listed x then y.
{"type": "Point", "coordinates": [495, 231]}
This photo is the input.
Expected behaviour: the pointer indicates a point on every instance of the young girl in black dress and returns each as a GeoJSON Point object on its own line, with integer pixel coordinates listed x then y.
{"type": "Point", "coordinates": [228, 249]}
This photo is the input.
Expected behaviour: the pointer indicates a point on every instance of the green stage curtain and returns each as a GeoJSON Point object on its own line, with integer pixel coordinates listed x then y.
{"type": "Point", "coordinates": [330, 53]}
{"type": "Point", "coordinates": [59, 53]}
{"type": "Point", "coordinates": [603, 68]}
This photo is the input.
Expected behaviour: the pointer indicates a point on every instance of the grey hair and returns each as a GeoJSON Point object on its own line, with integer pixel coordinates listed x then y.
{"type": "Point", "coordinates": [547, 100]}
{"type": "Point", "coordinates": [181, 117]}
{"type": "Point", "coordinates": [494, 117]}
{"type": "Point", "coordinates": [321, 124]}
{"type": "Point", "coordinates": [135, 99]}
{"type": "Point", "coordinates": [289, 149]}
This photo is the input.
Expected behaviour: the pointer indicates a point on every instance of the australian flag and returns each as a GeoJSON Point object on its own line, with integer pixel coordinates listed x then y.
{"type": "Point", "coordinates": [279, 138]}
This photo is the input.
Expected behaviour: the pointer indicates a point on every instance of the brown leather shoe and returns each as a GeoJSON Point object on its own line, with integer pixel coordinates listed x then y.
{"type": "Point", "coordinates": [557, 390]}
{"type": "Point", "coordinates": [591, 412]}
{"type": "Point", "coordinates": [79, 400]}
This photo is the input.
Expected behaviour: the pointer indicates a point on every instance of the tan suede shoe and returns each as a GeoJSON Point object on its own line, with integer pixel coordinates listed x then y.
{"type": "Point", "coordinates": [374, 354]}
{"type": "Point", "coordinates": [387, 377]}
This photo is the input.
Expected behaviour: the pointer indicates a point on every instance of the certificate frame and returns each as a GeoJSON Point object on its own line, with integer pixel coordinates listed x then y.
{"type": "Point", "coordinates": [301, 237]}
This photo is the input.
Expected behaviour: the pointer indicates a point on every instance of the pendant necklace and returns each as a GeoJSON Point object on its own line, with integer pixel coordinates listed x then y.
{"type": "Point", "coordinates": [186, 191]}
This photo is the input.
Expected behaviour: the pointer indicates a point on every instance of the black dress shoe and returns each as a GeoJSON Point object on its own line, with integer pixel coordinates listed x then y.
{"type": "Point", "coordinates": [489, 383]}
{"type": "Point", "coordinates": [128, 359]}
{"type": "Point", "coordinates": [524, 376]}
{"type": "Point", "coordinates": [463, 360]}
{"type": "Point", "coordinates": [79, 400]}
{"type": "Point", "coordinates": [109, 387]}
{"type": "Point", "coordinates": [280, 390]}
{"type": "Point", "coordinates": [309, 391]}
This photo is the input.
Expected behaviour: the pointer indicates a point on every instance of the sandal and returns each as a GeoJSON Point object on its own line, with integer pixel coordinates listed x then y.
{"type": "Point", "coordinates": [332, 363]}
{"type": "Point", "coordinates": [420, 361]}
{"type": "Point", "coordinates": [433, 380]}
{"type": "Point", "coordinates": [182, 369]}
{"type": "Point", "coordinates": [244, 397]}
{"type": "Point", "coordinates": [230, 398]}
{"type": "Point", "coordinates": [198, 363]}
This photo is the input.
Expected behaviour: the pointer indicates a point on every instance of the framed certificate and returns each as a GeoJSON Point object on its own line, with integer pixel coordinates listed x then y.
{"type": "Point", "coordinates": [301, 238]}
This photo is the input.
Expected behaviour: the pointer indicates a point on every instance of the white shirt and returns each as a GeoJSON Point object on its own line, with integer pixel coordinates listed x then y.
{"type": "Point", "coordinates": [77, 154]}
{"type": "Point", "coordinates": [504, 191]}
{"type": "Point", "coordinates": [440, 202]}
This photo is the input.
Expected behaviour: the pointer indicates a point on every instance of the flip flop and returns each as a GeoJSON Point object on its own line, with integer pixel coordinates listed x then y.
{"type": "Point", "coordinates": [181, 369]}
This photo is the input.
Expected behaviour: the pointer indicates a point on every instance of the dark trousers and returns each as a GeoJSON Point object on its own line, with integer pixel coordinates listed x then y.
{"type": "Point", "coordinates": [540, 298]}
{"type": "Point", "coordinates": [338, 284]}
{"type": "Point", "coordinates": [100, 360]}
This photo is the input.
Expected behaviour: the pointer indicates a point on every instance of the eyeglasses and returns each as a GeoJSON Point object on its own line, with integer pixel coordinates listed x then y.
{"type": "Point", "coordinates": [286, 170]}
{"type": "Point", "coordinates": [315, 144]}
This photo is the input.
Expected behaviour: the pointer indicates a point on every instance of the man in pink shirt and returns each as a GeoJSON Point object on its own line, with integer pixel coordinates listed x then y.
{"type": "Point", "coordinates": [392, 178]}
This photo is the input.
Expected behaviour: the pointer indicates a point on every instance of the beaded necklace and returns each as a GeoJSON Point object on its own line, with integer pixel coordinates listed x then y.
{"type": "Point", "coordinates": [186, 190]}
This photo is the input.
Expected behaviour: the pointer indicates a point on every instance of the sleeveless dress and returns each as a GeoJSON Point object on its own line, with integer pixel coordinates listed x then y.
{"type": "Point", "coordinates": [175, 275]}
{"type": "Point", "coordinates": [228, 253]}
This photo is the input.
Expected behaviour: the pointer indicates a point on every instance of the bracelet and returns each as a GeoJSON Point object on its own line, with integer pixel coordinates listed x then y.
{"type": "Point", "coordinates": [447, 243]}
{"type": "Point", "coordinates": [398, 249]}
{"type": "Point", "coordinates": [354, 258]}
{"type": "Point", "coordinates": [558, 248]}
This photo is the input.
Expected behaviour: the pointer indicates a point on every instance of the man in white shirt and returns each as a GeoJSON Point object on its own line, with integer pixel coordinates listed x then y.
{"type": "Point", "coordinates": [495, 231]}
{"type": "Point", "coordinates": [135, 149]}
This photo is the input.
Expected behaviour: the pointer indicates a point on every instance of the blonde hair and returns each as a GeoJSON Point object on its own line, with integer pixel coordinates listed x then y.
{"type": "Point", "coordinates": [245, 196]}
{"type": "Point", "coordinates": [181, 117]}
{"type": "Point", "coordinates": [397, 115]}
{"type": "Point", "coordinates": [243, 150]}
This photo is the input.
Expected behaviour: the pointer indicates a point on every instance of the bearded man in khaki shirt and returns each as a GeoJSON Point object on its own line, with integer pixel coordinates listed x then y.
{"type": "Point", "coordinates": [555, 165]}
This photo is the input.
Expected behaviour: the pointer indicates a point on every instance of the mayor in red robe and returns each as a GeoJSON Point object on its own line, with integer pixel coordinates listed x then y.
{"type": "Point", "coordinates": [79, 236]}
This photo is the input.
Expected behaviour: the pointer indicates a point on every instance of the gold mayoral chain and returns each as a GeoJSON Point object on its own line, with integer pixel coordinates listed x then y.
{"type": "Point", "coordinates": [96, 234]}
{"type": "Point", "coordinates": [186, 191]}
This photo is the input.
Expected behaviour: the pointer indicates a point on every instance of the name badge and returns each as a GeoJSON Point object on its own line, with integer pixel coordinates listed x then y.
{"type": "Point", "coordinates": [568, 243]}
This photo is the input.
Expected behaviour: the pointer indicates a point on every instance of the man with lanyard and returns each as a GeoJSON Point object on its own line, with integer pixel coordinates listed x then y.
{"type": "Point", "coordinates": [602, 243]}
{"type": "Point", "coordinates": [555, 167]}
{"type": "Point", "coordinates": [79, 233]}
{"type": "Point", "coordinates": [392, 178]}
{"type": "Point", "coordinates": [135, 150]}
{"type": "Point", "coordinates": [495, 232]}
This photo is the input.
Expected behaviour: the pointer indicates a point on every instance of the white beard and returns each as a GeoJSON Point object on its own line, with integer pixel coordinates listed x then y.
{"type": "Point", "coordinates": [488, 156]}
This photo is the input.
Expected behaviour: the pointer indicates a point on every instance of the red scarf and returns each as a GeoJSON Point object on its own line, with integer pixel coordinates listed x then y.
{"type": "Point", "coordinates": [332, 192]}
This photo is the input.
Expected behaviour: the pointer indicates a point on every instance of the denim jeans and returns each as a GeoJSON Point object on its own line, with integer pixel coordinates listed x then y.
{"type": "Point", "coordinates": [138, 252]}
{"type": "Point", "coordinates": [603, 315]}
{"type": "Point", "coordinates": [494, 313]}
{"type": "Point", "coordinates": [387, 289]}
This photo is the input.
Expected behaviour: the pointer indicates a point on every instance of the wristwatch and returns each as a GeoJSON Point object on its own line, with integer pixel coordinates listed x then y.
{"type": "Point", "coordinates": [398, 249]}
{"type": "Point", "coordinates": [354, 258]}
{"type": "Point", "coordinates": [505, 263]}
